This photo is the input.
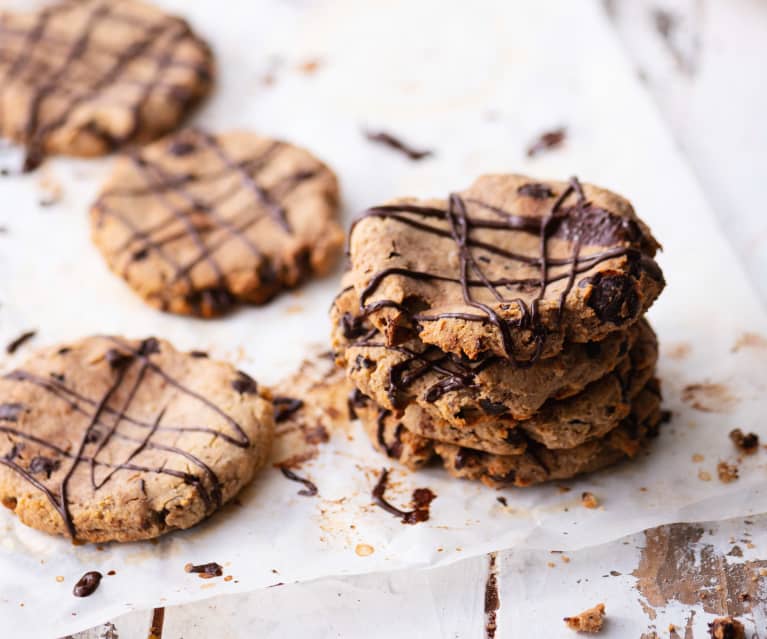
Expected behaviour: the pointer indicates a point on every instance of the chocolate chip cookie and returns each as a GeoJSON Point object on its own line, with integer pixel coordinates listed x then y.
{"type": "Point", "coordinates": [196, 223]}
{"type": "Point", "coordinates": [463, 392]}
{"type": "Point", "coordinates": [110, 439]}
{"type": "Point", "coordinates": [85, 77]}
{"type": "Point", "coordinates": [510, 266]}
{"type": "Point", "coordinates": [532, 465]}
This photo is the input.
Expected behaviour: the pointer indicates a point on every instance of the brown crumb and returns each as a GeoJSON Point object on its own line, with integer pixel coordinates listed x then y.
{"type": "Point", "coordinates": [697, 458]}
{"type": "Point", "coordinates": [588, 500]}
{"type": "Point", "coordinates": [564, 489]}
{"type": "Point", "coordinates": [590, 620]}
{"type": "Point", "coordinates": [704, 475]}
{"type": "Point", "coordinates": [546, 141]}
{"type": "Point", "coordinates": [747, 443]}
{"type": "Point", "coordinates": [309, 67]}
{"type": "Point", "coordinates": [728, 473]}
{"type": "Point", "coordinates": [726, 628]}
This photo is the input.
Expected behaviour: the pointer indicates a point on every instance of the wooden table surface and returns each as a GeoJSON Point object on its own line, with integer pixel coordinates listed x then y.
{"type": "Point", "coordinates": [703, 63]}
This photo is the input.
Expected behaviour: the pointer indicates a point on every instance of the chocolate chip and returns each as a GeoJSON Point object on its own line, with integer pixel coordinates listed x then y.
{"type": "Point", "coordinates": [613, 298]}
{"type": "Point", "coordinates": [117, 359]}
{"type": "Point", "coordinates": [492, 408]}
{"type": "Point", "coordinates": [245, 384]}
{"type": "Point", "coordinates": [40, 465]}
{"type": "Point", "coordinates": [9, 412]}
{"type": "Point", "coordinates": [149, 346]}
{"type": "Point", "coordinates": [536, 190]}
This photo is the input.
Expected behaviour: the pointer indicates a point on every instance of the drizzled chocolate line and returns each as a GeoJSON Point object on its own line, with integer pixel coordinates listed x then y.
{"type": "Point", "coordinates": [157, 42]}
{"type": "Point", "coordinates": [310, 489]}
{"type": "Point", "coordinates": [104, 426]}
{"type": "Point", "coordinates": [422, 498]}
{"type": "Point", "coordinates": [581, 223]}
{"type": "Point", "coordinates": [201, 218]}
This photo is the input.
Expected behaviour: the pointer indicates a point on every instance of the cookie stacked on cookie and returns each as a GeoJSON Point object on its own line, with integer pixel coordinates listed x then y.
{"type": "Point", "coordinates": [501, 330]}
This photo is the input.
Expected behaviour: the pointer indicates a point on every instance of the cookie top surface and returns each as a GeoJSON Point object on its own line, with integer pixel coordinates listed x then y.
{"type": "Point", "coordinates": [84, 77]}
{"type": "Point", "coordinates": [465, 392]}
{"type": "Point", "coordinates": [196, 223]}
{"type": "Point", "coordinates": [509, 266]}
{"type": "Point", "coordinates": [113, 439]}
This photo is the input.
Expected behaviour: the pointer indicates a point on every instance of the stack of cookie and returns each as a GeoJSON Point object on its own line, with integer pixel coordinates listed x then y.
{"type": "Point", "coordinates": [502, 330]}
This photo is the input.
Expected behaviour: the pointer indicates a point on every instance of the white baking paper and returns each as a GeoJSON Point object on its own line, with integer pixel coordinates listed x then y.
{"type": "Point", "coordinates": [475, 82]}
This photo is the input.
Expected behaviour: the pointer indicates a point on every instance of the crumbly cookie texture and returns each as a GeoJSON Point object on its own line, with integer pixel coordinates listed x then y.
{"type": "Point", "coordinates": [196, 223]}
{"type": "Point", "coordinates": [590, 620]}
{"type": "Point", "coordinates": [559, 423]}
{"type": "Point", "coordinates": [459, 391]}
{"type": "Point", "coordinates": [510, 266]}
{"type": "Point", "coordinates": [726, 628]}
{"type": "Point", "coordinates": [536, 465]}
{"type": "Point", "coordinates": [85, 77]}
{"type": "Point", "coordinates": [110, 439]}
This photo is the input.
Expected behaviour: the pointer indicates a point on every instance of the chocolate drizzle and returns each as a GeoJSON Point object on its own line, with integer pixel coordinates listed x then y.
{"type": "Point", "coordinates": [311, 488]}
{"type": "Point", "coordinates": [87, 584]}
{"type": "Point", "coordinates": [238, 204]}
{"type": "Point", "coordinates": [395, 143]}
{"type": "Point", "coordinates": [580, 223]}
{"type": "Point", "coordinates": [284, 407]}
{"type": "Point", "coordinates": [130, 367]}
{"type": "Point", "coordinates": [205, 571]}
{"type": "Point", "coordinates": [422, 498]}
{"type": "Point", "coordinates": [87, 66]}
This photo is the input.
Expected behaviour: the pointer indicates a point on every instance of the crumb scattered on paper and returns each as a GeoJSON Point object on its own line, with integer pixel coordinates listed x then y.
{"type": "Point", "coordinates": [590, 620]}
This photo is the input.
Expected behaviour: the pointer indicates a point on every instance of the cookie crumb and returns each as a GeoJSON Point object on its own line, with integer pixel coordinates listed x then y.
{"type": "Point", "coordinates": [728, 473]}
{"type": "Point", "coordinates": [590, 620]}
{"type": "Point", "coordinates": [697, 458]}
{"type": "Point", "coordinates": [726, 628]}
{"type": "Point", "coordinates": [588, 500]}
{"type": "Point", "coordinates": [310, 67]}
{"type": "Point", "coordinates": [364, 550]}
{"type": "Point", "coordinates": [747, 443]}
{"type": "Point", "coordinates": [546, 141]}
{"type": "Point", "coordinates": [704, 475]}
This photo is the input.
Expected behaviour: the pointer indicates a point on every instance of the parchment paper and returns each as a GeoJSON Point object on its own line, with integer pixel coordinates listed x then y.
{"type": "Point", "coordinates": [475, 83]}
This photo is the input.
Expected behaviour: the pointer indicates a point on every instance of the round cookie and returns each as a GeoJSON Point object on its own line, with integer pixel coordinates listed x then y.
{"type": "Point", "coordinates": [85, 77]}
{"type": "Point", "coordinates": [533, 464]}
{"type": "Point", "coordinates": [109, 439]}
{"type": "Point", "coordinates": [464, 393]}
{"type": "Point", "coordinates": [196, 223]}
{"type": "Point", "coordinates": [508, 266]}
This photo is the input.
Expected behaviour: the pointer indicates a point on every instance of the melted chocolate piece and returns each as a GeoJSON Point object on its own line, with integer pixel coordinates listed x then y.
{"type": "Point", "coordinates": [311, 488]}
{"type": "Point", "coordinates": [492, 598]}
{"type": "Point", "coordinates": [43, 465]}
{"type": "Point", "coordinates": [10, 412]}
{"type": "Point", "coordinates": [245, 384]}
{"type": "Point", "coordinates": [547, 141]}
{"type": "Point", "coordinates": [613, 298]}
{"type": "Point", "coordinates": [535, 190]}
{"type": "Point", "coordinates": [87, 584]}
{"type": "Point", "coordinates": [102, 426]}
{"type": "Point", "coordinates": [117, 359]}
{"type": "Point", "coordinates": [748, 443]}
{"type": "Point", "coordinates": [19, 341]}
{"type": "Point", "coordinates": [422, 498]}
{"type": "Point", "coordinates": [392, 142]}
{"type": "Point", "coordinates": [502, 500]}
{"type": "Point", "coordinates": [285, 407]}
{"type": "Point", "coordinates": [206, 571]}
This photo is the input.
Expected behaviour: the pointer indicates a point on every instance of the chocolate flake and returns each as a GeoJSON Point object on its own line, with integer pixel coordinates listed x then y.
{"type": "Point", "coordinates": [285, 407]}
{"type": "Point", "coordinates": [492, 598]}
{"type": "Point", "coordinates": [19, 341]}
{"type": "Point", "coordinates": [747, 443]}
{"type": "Point", "coordinates": [87, 584]}
{"type": "Point", "coordinates": [205, 571]}
{"type": "Point", "coordinates": [311, 488]}
{"type": "Point", "coordinates": [547, 141]}
{"type": "Point", "coordinates": [395, 143]}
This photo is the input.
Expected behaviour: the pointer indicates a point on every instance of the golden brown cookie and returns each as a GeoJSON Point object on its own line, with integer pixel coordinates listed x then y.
{"type": "Point", "coordinates": [536, 464]}
{"type": "Point", "coordinates": [509, 266]}
{"type": "Point", "coordinates": [196, 223]}
{"type": "Point", "coordinates": [109, 439]}
{"type": "Point", "coordinates": [85, 77]}
{"type": "Point", "coordinates": [467, 393]}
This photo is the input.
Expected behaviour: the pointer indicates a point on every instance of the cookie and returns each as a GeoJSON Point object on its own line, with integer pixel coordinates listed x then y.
{"type": "Point", "coordinates": [85, 77]}
{"type": "Point", "coordinates": [196, 223]}
{"type": "Point", "coordinates": [462, 392]}
{"type": "Point", "coordinates": [509, 266]}
{"type": "Point", "coordinates": [109, 439]}
{"type": "Point", "coordinates": [536, 464]}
